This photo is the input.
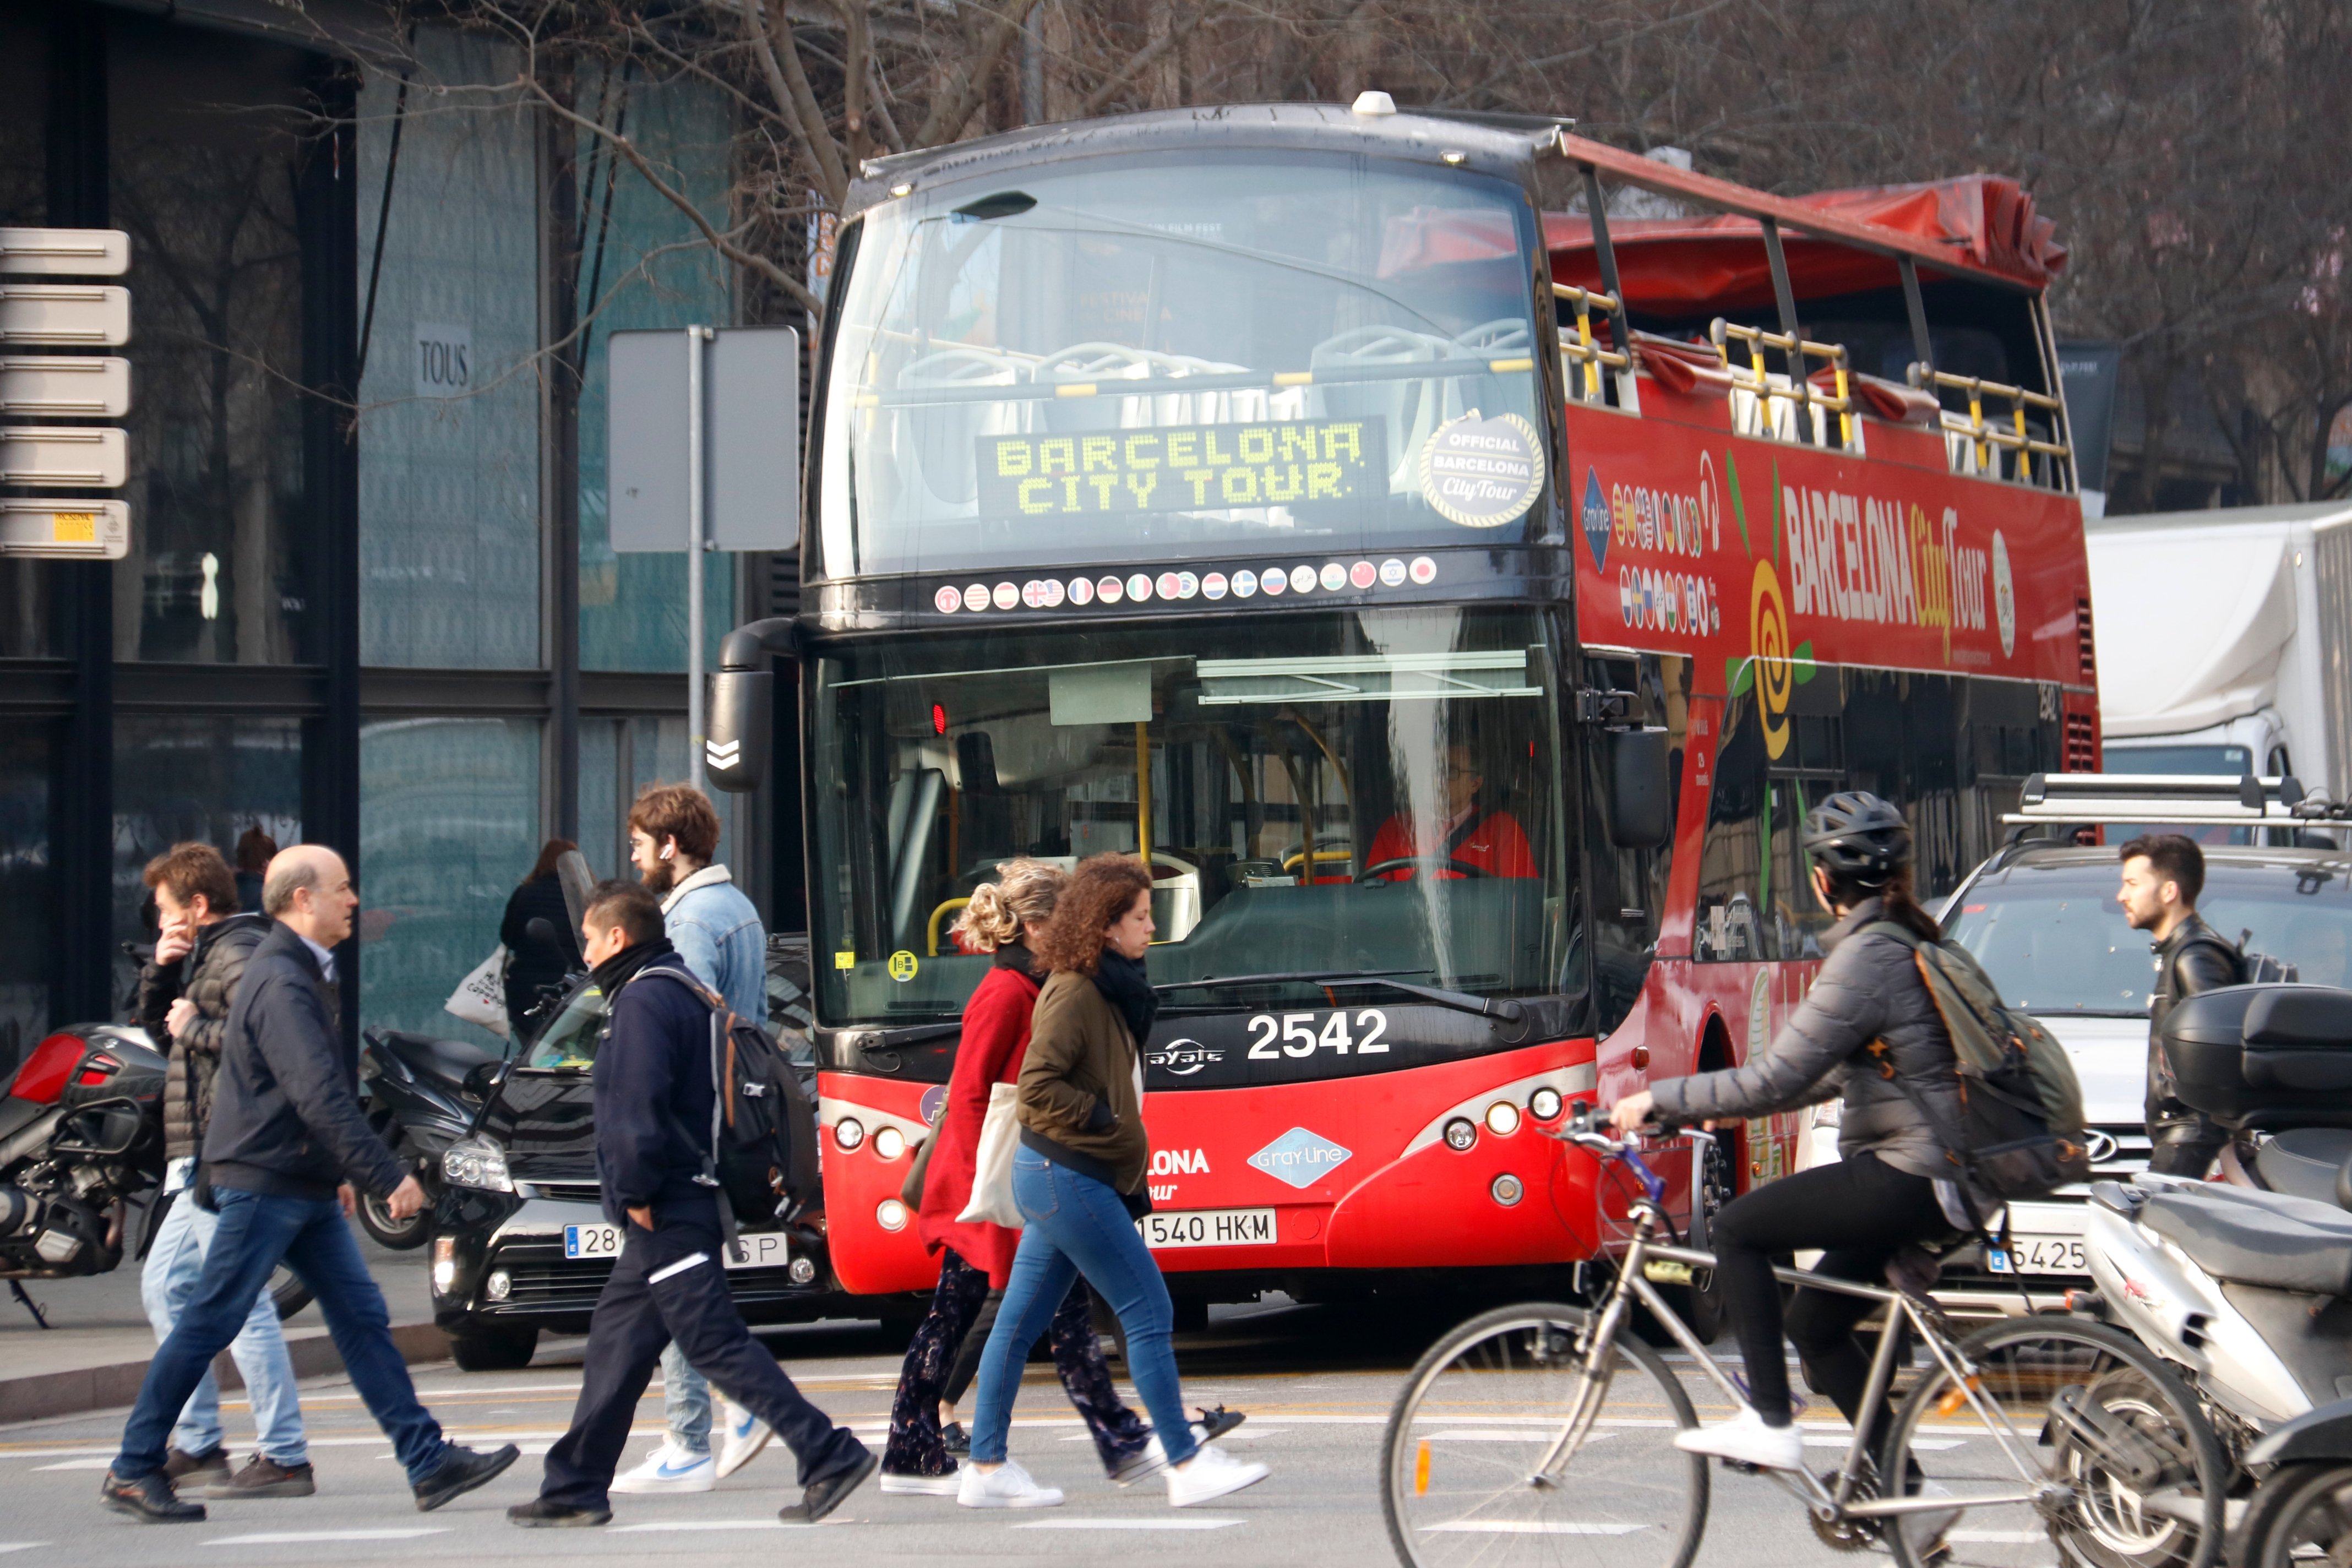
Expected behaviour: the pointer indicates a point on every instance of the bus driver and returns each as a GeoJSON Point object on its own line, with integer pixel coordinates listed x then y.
{"type": "Point", "coordinates": [1470, 835]}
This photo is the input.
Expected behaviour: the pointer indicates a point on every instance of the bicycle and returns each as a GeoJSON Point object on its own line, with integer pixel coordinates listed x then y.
{"type": "Point", "coordinates": [1542, 1433]}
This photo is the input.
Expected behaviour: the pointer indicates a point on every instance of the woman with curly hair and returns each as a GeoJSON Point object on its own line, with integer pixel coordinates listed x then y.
{"type": "Point", "coordinates": [976, 1256]}
{"type": "Point", "coordinates": [1078, 1177]}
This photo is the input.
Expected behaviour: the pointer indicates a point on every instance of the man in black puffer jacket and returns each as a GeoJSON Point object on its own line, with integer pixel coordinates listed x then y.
{"type": "Point", "coordinates": [183, 997]}
{"type": "Point", "coordinates": [2163, 875]}
{"type": "Point", "coordinates": [654, 1099]}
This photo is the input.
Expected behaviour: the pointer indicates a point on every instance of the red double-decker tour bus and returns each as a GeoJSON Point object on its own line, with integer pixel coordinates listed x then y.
{"type": "Point", "coordinates": [1457, 593]}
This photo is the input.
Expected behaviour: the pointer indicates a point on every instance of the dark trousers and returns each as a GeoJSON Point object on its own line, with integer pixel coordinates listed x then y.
{"type": "Point", "coordinates": [254, 1234]}
{"type": "Point", "coordinates": [1862, 1212]}
{"type": "Point", "coordinates": [671, 1284]}
{"type": "Point", "coordinates": [946, 1349]}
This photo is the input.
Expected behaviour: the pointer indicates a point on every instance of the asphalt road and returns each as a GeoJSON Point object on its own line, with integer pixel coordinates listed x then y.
{"type": "Point", "coordinates": [1317, 1383]}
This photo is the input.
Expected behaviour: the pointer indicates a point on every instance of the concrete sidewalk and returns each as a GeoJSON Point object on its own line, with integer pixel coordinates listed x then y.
{"type": "Point", "coordinates": [96, 1354]}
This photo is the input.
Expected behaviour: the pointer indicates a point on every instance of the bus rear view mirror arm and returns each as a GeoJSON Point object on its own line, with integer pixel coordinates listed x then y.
{"type": "Point", "coordinates": [743, 703]}
{"type": "Point", "coordinates": [1641, 788]}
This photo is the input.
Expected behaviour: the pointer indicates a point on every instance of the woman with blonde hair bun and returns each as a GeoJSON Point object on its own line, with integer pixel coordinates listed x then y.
{"type": "Point", "coordinates": [976, 1257]}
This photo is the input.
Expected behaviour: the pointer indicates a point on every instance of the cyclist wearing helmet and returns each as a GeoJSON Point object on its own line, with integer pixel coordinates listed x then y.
{"type": "Point", "coordinates": [1868, 1030]}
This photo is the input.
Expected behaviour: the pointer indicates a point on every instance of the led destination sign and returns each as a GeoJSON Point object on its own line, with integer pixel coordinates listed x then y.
{"type": "Point", "coordinates": [1288, 462]}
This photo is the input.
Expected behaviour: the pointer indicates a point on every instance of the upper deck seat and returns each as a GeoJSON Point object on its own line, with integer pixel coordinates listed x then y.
{"type": "Point", "coordinates": [2268, 1240]}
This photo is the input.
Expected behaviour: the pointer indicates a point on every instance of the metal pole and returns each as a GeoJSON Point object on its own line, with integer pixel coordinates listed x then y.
{"type": "Point", "coordinates": [694, 337]}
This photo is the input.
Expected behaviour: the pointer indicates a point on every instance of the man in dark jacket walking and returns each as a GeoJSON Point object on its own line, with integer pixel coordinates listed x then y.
{"type": "Point", "coordinates": [2163, 875]}
{"type": "Point", "coordinates": [655, 1105]}
{"type": "Point", "coordinates": [184, 999]}
{"type": "Point", "coordinates": [286, 1134]}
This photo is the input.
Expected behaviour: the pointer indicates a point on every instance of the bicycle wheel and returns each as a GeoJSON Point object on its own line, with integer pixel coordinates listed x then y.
{"type": "Point", "coordinates": [1476, 1467]}
{"type": "Point", "coordinates": [2122, 1469]}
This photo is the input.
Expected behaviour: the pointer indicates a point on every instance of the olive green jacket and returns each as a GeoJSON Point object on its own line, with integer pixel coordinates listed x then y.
{"type": "Point", "coordinates": [1081, 1088]}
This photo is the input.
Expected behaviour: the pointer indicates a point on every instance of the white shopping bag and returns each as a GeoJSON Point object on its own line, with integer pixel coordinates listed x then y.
{"type": "Point", "coordinates": [481, 996]}
{"type": "Point", "coordinates": [992, 1175]}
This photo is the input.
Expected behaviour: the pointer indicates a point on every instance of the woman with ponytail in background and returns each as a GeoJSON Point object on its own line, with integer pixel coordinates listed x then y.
{"type": "Point", "coordinates": [975, 1258]}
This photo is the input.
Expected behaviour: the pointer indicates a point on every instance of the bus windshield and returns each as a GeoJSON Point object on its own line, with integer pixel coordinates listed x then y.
{"type": "Point", "coordinates": [1361, 792]}
{"type": "Point", "coordinates": [1217, 355]}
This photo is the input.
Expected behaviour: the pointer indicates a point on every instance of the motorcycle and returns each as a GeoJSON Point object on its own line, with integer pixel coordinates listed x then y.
{"type": "Point", "coordinates": [423, 1094]}
{"type": "Point", "coordinates": [80, 1138]}
{"type": "Point", "coordinates": [2247, 1287]}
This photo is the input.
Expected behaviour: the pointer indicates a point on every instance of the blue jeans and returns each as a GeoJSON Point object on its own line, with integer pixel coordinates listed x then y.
{"type": "Point", "coordinates": [169, 1278]}
{"type": "Point", "coordinates": [252, 1234]}
{"type": "Point", "coordinates": [685, 1401]}
{"type": "Point", "coordinates": [1079, 1225]}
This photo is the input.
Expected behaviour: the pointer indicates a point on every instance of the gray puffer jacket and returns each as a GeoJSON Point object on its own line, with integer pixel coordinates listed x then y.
{"type": "Point", "coordinates": [1867, 991]}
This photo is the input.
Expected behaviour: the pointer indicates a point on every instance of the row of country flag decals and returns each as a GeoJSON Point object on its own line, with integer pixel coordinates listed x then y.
{"type": "Point", "coordinates": [1051, 592]}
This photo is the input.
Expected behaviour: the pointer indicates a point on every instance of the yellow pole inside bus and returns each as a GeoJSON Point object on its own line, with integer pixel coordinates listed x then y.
{"type": "Point", "coordinates": [1143, 793]}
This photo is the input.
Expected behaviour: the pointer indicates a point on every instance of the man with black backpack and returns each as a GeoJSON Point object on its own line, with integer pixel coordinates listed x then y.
{"type": "Point", "coordinates": [655, 1108]}
{"type": "Point", "coordinates": [2163, 874]}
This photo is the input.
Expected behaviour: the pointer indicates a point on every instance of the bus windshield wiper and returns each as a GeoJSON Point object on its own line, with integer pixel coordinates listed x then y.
{"type": "Point", "coordinates": [1502, 1008]}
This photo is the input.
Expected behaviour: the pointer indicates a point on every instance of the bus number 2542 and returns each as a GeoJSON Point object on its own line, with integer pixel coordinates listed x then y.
{"type": "Point", "coordinates": [1299, 1035]}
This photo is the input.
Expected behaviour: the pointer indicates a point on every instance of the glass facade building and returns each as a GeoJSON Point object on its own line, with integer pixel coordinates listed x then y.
{"type": "Point", "coordinates": [369, 600]}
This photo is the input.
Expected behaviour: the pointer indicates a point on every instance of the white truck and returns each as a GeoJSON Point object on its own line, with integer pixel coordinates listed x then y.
{"type": "Point", "coordinates": [2224, 642]}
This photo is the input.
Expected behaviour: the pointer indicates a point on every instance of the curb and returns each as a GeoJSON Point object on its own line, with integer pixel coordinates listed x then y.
{"type": "Point", "coordinates": [116, 1385]}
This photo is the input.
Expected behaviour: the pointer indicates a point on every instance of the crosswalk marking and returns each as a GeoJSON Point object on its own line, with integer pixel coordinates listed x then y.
{"type": "Point", "coordinates": [1173, 1522]}
{"type": "Point", "coordinates": [305, 1537]}
{"type": "Point", "coordinates": [668, 1526]}
{"type": "Point", "coordinates": [8, 1546]}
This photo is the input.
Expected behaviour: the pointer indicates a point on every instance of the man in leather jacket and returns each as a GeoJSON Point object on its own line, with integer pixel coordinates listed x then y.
{"type": "Point", "coordinates": [2163, 873]}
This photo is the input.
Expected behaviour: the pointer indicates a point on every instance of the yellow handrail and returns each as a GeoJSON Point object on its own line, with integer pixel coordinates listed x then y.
{"type": "Point", "coordinates": [1583, 350]}
{"type": "Point", "coordinates": [1800, 390]}
{"type": "Point", "coordinates": [1985, 436]}
{"type": "Point", "coordinates": [931, 930]}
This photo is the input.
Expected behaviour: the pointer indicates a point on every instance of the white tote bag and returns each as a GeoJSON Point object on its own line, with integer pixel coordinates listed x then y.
{"type": "Point", "coordinates": [481, 996]}
{"type": "Point", "coordinates": [992, 1175]}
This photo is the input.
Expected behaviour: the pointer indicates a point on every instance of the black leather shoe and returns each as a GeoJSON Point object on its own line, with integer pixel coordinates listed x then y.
{"type": "Point", "coordinates": [1215, 1423]}
{"type": "Point", "coordinates": [197, 1469]}
{"type": "Point", "coordinates": [823, 1497]}
{"type": "Point", "coordinates": [149, 1499]}
{"type": "Point", "coordinates": [955, 1439]}
{"type": "Point", "coordinates": [540, 1514]}
{"type": "Point", "coordinates": [461, 1472]}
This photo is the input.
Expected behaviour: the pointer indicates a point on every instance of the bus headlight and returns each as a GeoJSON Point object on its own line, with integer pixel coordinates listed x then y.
{"type": "Point", "coordinates": [1544, 1103]}
{"type": "Point", "coordinates": [892, 1214]}
{"type": "Point", "coordinates": [849, 1132]}
{"type": "Point", "coordinates": [1502, 1118]}
{"type": "Point", "coordinates": [476, 1162]}
{"type": "Point", "coordinates": [1460, 1134]}
{"type": "Point", "coordinates": [1506, 1189]}
{"type": "Point", "coordinates": [888, 1143]}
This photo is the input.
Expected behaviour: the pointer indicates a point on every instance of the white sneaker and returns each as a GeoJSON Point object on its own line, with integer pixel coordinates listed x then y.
{"type": "Point", "coordinates": [1211, 1473]}
{"type": "Point", "coordinates": [1746, 1440]}
{"type": "Point", "coordinates": [1007, 1485]}
{"type": "Point", "coordinates": [1150, 1462]}
{"type": "Point", "coordinates": [948, 1485]}
{"type": "Point", "coordinates": [670, 1469]}
{"type": "Point", "coordinates": [1923, 1532]}
{"type": "Point", "coordinates": [746, 1434]}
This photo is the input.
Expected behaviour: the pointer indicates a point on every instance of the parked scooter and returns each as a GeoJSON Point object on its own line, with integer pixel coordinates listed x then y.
{"type": "Point", "coordinates": [2248, 1289]}
{"type": "Point", "coordinates": [423, 1094]}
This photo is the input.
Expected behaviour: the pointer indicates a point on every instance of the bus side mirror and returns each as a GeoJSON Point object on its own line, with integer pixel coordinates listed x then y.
{"type": "Point", "coordinates": [1641, 793]}
{"type": "Point", "coordinates": [742, 701]}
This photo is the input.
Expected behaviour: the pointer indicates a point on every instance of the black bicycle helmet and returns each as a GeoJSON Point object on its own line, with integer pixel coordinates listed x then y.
{"type": "Point", "coordinates": [1858, 837]}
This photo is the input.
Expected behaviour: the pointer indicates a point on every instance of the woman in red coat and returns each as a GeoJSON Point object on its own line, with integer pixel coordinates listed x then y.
{"type": "Point", "coordinates": [976, 1256]}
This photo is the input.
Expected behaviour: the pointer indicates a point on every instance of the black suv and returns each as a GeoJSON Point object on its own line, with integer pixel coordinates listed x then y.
{"type": "Point", "coordinates": [520, 1242]}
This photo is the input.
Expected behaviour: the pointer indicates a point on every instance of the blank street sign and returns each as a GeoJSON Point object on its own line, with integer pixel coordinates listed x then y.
{"type": "Point", "coordinates": [88, 315]}
{"type": "Point", "coordinates": [96, 459]}
{"type": "Point", "coordinates": [751, 400]}
{"type": "Point", "coordinates": [65, 388]}
{"type": "Point", "coordinates": [65, 252]}
{"type": "Point", "coordinates": [60, 530]}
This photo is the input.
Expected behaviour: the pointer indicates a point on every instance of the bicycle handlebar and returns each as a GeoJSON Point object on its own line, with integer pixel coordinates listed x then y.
{"type": "Point", "coordinates": [1584, 1131]}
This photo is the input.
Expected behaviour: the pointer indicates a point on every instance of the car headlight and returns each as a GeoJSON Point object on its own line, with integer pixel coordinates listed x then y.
{"type": "Point", "coordinates": [476, 1162]}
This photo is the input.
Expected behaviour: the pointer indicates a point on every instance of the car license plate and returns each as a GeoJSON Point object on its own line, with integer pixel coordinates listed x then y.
{"type": "Point", "coordinates": [2038, 1254]}
{"type": "Point", "coordinates": [760, 1249]}
{"type": "Point", "coordinates": [1208, 1228]}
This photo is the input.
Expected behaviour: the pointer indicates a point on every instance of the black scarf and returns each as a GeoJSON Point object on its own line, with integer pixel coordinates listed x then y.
{"type": "Point", "coordinates": [1127, 987]}
{"type": "Point", "coordinates": [1014, 956]}
{"type": "Point", "coordinates": [617, 971]}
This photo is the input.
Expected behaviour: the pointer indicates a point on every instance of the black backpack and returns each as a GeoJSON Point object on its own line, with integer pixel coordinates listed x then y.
{"type": "Point", "coordinates": [762, 1144]}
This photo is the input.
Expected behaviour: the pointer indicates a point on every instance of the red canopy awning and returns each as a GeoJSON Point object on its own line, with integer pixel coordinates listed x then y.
{"type": "Point", "coordinates": [1694, 266]}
